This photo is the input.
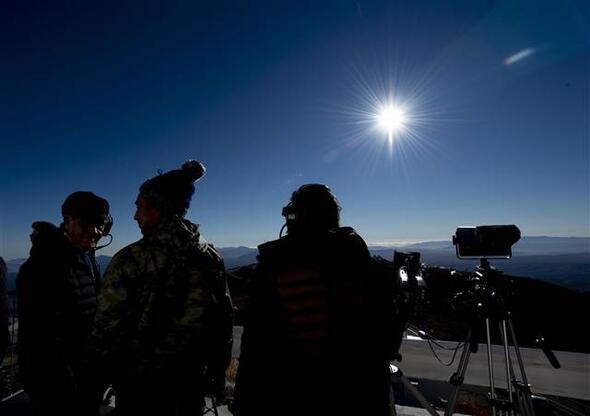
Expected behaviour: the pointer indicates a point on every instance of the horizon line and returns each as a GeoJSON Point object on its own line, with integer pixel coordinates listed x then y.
{"type": "Point", "coordinates": [387, 243]}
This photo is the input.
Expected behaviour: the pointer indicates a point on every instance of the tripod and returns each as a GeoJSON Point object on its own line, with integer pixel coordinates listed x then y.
{"type": "Point", "coordinates": [489, 305]}
{"type": "Point", "coordinates": [519, 393]}
{"type": "Point", "coordinates": [486, 301]}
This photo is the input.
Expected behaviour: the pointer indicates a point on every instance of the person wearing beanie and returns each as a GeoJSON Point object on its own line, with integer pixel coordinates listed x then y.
{"type": "Point", "coordinates": [57, 288]}
{"type": "Point", "coordinates": [163, 330]}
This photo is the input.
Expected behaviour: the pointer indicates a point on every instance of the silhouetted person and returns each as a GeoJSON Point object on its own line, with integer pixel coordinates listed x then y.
{"type": "Point", "coordinates": [307, 345]}
{"type": "Point", "coordinates": [57, 289]}
{"type": "Point", "coordinates": [4, 334]}
{"type": "Point", "coordinates": [163, 331]}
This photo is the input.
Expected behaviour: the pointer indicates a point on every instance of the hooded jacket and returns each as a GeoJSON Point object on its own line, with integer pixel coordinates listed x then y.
{"type": "Point", "coordinates": [57, 289]}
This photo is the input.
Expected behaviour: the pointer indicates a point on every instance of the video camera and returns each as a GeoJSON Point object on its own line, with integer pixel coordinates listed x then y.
{"type": "Point", "coordinates": [486, 241]}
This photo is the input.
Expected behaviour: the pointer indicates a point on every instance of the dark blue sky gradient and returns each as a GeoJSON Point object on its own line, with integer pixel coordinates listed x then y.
{"type": "Point", "coordinates": [271, 95]}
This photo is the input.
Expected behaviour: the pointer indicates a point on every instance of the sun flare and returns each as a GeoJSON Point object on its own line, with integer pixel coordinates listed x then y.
{"type": "Point", "coordinates": [392, 119]}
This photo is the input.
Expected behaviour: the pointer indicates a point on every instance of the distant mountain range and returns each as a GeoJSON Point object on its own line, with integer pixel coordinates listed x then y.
{"type": "Point", "coordinates": [560, 260]}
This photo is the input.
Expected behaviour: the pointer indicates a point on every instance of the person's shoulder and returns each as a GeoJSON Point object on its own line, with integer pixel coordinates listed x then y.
{"type": "Point", "coordinates": [130, 254]}
{"type": "Point", "coordinates": [347, 231]}
{"type": "Point", "coordinates": [51, 251]}
{"type": "Point", "coordinates": [349, 234]}
{"type": "Point", "coordinates": [351, 241]}
{"type": "Point", "coordinates": [269, 244]}
{"type": "Point", "coordinates": [135, 249]}
{"type": "Point", "coordinates": [275, 246]}
{"type": "Point", "coordinates": [127, 263]}
{"type": "Point", "coordinates": [48, 242]}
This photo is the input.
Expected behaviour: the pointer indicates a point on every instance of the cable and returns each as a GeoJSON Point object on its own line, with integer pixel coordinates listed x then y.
{"type": "Point", "coordinates": [442, 347]}
{"type": "Point", "coordinates": [431, 340]}
{"type": "Point", "coordinates": [426, 336]}
{"type": "Point", "coordinates": [104, 245]}
{"type": "Point", "coordinates": [459, 345]}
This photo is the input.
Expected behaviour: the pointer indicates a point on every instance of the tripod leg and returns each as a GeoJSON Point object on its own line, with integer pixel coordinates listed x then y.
{"type": "Point", "coordinates": [490, 366]}
{"type": "Point", "coordinates": [526, 389]}
{"type": "Point", "coordinates": [517, 350]}
{"type": "Point", "coordinates": [458, 377]}
{"type": "Point", "coordinates": [518, 392]}
{"type": "Point", "coordinates": [395, 371]}
{"type": "Point", "coordinates": [509, 371]}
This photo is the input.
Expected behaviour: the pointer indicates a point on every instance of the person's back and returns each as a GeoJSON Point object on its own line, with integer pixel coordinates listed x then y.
{"type": "Point", "coordinates": [304, 347]}
{"type": "Point", "coordinates": [166, 280]}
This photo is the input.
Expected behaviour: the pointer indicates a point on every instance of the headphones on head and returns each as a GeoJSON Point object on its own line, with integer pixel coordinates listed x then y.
{"type": "Point", "coordinates": [293, 211]}
{"type": "Point", "coordinates": [289, 212]}
{"type": "Point", "coordinates": [290, 215]}
{"type": "Point", "coordinates": [303, 199]}
{"type": "Point", "coordinates": [108, 225]}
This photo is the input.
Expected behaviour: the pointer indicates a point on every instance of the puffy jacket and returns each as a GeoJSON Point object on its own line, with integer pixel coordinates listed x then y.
{"type": "Point", "coordinates": [57, 291]}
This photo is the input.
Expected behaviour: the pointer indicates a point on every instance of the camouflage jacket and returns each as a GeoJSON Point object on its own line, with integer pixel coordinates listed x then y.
{"type": "Point", "coordinates": [164, 304]}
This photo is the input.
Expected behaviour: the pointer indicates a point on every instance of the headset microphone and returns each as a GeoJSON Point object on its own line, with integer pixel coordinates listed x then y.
{"type": "Point", "coordinates": [106, 232]}
{"type": "Point", "coordinates": [290, 217]}
{"type": "Point", "coordinates": [107, 244]}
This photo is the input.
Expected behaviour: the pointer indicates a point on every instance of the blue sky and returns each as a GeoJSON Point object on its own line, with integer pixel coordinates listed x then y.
{"type": "Point", "coordinates": [272, 95]}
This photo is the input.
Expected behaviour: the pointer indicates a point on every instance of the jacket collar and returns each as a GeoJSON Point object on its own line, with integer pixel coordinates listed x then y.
{"type": "Point", "coordinates": [176, 232]}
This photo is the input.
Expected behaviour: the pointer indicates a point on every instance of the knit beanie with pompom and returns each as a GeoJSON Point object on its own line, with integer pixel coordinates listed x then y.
{"type": "Point", "coordinates": [171, 192]}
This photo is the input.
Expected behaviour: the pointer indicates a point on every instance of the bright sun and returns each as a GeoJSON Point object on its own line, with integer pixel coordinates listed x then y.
{"type": "Point", "coordinates": [391, 119]}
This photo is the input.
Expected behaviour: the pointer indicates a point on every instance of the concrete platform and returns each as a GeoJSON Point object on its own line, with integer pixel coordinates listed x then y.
{"type": "Point", "coordinates": [571, 380]}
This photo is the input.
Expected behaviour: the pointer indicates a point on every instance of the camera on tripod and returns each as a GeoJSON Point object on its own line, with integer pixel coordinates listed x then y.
{"type": "Point", "coordinates": [486, 241]}
{"type": "Point", "coordinates": [486, 290]}
{"type": "Point", "coordinates": [481, 301]}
